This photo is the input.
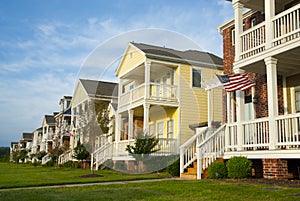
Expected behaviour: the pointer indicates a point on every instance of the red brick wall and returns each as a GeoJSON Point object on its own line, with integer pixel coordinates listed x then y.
{"type": "Point", "coordinates": [260, 79]}
{"type": "Point", "coordinates": [275, 169]}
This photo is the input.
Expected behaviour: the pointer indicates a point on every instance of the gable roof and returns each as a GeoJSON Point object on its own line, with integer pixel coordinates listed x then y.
{"type": "Point", "coordinates": [100, 88]}
{"type": "Point", "coordinates": [193, 57]}
{"type": "Point", "coordinates": [27, 136]}
{"type": "Point", "coordinates": [49, 119]}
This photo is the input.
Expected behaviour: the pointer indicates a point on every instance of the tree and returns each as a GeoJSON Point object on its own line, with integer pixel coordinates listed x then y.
{"type": "Point", "coordinates": [143, 146]}
{"type": "Point", "coordinates": [80, 152]}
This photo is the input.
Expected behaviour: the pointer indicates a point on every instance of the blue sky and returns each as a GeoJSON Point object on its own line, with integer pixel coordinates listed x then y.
{"type": "Point", "coordinates": [45, 44]}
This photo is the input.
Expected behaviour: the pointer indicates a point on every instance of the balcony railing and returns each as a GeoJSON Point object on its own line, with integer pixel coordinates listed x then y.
{"type": "Point", "coordinates": [285, 28]}
{"type": "Point", "coordinates": [159, 92]}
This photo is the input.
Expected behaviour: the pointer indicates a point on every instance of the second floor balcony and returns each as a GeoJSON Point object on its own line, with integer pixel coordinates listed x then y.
{"type": "Point", "coordinates": [280, 32]}
{"type": "Point", "coordinates": [152, 92]}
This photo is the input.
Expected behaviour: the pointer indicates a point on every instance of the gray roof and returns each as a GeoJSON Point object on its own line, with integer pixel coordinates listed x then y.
{"type": "Point", "coordinates": [27, 136]}
{"type": "Point", "coordinates": [192, 57]}
{"type": "Point", "coordinates": [50, 119]}
{"type": "Point", "coordinates": [100, 88]}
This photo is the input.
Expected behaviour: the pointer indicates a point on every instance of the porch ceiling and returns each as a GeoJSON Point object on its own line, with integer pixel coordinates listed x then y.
{"type": "Point", "coordinates": [288, 64]}
{"type": "Point", "coordinates": [156, 71]}
{"type": "Point", "coordinates": [260, 4]}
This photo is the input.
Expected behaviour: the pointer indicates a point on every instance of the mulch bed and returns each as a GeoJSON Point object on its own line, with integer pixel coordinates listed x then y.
{"type": "Point", "coordinates": [90, 175]}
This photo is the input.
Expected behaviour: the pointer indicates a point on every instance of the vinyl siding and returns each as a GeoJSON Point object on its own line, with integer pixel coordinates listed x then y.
{"type": "Point", "coordinates": [131, 59]}
{"type": "Point", "coordinates": [79, 95]}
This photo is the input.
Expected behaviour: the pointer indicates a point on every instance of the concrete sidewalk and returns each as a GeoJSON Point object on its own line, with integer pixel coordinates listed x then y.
{"type": "Point", "coordinates": [89, 184]}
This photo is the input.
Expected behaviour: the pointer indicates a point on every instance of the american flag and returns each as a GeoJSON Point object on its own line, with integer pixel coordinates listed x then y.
{"type": "Point", "coordinates": [234, 82]}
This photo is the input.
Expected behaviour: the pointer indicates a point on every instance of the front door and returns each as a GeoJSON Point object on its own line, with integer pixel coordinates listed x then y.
{"type": "Point", "coordinates": [249, 129]}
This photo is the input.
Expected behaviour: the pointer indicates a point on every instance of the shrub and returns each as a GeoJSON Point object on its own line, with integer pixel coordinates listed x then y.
{"type": "Point", "coordinates": [174, 168]}
{"type": "Point", "coordinates": [217, 170]}
{"type": "Point", "coordinates": [239, 167]}
{"type": "Point", "coordinates": [68, 164]}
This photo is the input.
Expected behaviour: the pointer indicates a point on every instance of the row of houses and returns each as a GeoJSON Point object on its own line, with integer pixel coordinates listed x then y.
{"type": "Point", "coordinates": [174, 95]}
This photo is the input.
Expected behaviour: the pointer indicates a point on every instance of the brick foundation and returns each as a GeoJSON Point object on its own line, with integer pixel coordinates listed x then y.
{"type": "Point", "coordinates": [275, 169]}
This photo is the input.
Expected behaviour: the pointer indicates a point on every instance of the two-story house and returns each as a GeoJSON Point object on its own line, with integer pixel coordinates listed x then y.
{"type": "Point", "coordinates": [63, 122]}
{"type": "Point", "coordinates": [89, 115]}
{"type": "Point", "coordinates": [262, 122]}
{"type": "Point", "coordinates": [162, 93]}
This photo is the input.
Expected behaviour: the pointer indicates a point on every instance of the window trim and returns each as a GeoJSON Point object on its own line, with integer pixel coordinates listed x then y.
{"type": "Point", "coordinates": [192, 78]}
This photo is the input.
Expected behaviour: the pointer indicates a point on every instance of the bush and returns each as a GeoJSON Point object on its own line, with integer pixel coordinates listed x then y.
{"type": "Point", "coordinates": [217, 170]}
{"type": "Point", "coordinates": [239, 167]}
{"type": "Point", "coordinates": [174, 168]}
{"type": "Point", "coordinates": [68, 164]}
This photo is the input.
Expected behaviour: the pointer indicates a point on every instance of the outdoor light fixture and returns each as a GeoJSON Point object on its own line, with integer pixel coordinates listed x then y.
{"type": "Point", "coordinates": [255, 99]}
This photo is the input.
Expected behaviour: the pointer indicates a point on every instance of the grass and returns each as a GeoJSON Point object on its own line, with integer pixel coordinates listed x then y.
{"type": "Point", "coordinates": [13, 175]}
{"type": "Point", "coordinates": [24, 175]}
{"type": "Point", "coordinates": [162, 190]}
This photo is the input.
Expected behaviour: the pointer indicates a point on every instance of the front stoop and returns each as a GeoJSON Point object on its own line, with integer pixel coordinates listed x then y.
{"type": "Point", "coordinates": [191, 172]}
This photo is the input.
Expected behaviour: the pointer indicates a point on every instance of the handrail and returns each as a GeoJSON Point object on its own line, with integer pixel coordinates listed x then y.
{"type": "Point", "coordinates": [189, 141]}
{"type": "Point", "coordinates": [213, 135]}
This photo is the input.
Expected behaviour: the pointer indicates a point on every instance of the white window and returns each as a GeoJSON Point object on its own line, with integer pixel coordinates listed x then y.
{"type": "Point", "coordinates": [233, 37]}
{"type": "Point", "coordinates": [253, 22]}
{"type": "Point", "coordinates": [160, 129]}
{"type": "Point", "coordinates": [152, 129]}
{"type": "Point", "coordinates": [170, 128]}
{"type": "Point", "coordinates": [297, 97]}
{"type": "Point", "coordinates": [196, 78]}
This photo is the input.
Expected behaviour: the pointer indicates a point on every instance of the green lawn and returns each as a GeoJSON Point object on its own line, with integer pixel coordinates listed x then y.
{"type": "Point", "coordinates": [161, 190]}
{"type": "Point", "coordinates": [13, 175]}
{"type": "Point", "coordinates": [21, 175]}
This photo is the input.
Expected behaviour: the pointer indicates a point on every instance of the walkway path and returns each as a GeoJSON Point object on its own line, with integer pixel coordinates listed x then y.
{"type": "Point", "coordinates": [89, 184]}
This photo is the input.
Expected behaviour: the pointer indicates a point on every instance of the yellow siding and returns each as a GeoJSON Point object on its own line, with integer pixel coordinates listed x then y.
{"type": "Point", "coordinates": [159, 114]}
{"type": "Point", "coordinates": [193, 101]}
{"type": "Point", "coordinates": [79, 95]}
{"type": "Point", "coordinates": [131, 59]}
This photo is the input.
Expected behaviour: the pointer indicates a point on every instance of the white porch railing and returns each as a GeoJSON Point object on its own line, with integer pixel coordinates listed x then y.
{"type": "Point", "coordinates": [65, 157]}
{"type": "Point", "coordinates": [46, 159]}
{"type": "Point", "coordinates": [102, 154]}
{"type": "Point", "coordinates": [167, 146]}
{"type": "Point", "coordinates": [189, 148]}
{"type": "Point", "coordinates": [288, 131]}
{"type": "Point", "coordinates": [231, 137]}
{"type": "Point", "coordinates": [285, 28]}
{"type": "Point", "coordinates": [210, 149]}
{"type": "Point", "coordinates": [253, 40]}
{"type": "Point", "coordinates": [256, 134]}
{"type": "Point", "coordinates": [157, 92]}
{"type": "Point", "coordinates": [286, 25]}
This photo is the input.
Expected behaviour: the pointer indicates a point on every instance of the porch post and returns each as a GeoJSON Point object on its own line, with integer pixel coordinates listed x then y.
{"type": "Point", "coordinates": [209, 108]}
{"type": "Point", "coordinates": [238, 24]}
{"type": "Point", "coordinates": [130, 124]}
{"type": "Point", "coordinates": [271, 69]}
{"type": "Point", "coordinates": [240, 107]}
{"type": "Point", "coordinates": [269, 14]}
{"type": "Point", "coordinates": [146, 118]}
{"type": "Point", "coordinates": [228, 105]}
{"type": "Point", "coordinates": [147, 79]}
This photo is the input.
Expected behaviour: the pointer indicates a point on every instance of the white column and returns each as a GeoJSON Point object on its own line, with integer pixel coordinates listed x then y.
{"type": "Point", "coordinates": [147, 79]}
{"type": "Point", "coordinates": [240, 114]}
{"type": "Point", "coordinates": [269, 14]}
{"type": "Point", "coordinates": [209, 108]}
{"type": "Point", "coordinates": [130, 124]}
{"type": "Point", "coordinates": [285, 98]}
{"type": "Point", "coordinates": [146, 118]}
{"type": "Point", "coordinates": [238, 26]}
{"type": "Point", "coordinates": [271, 69]}
{"type": "Point", "coordinates": [228, 105]}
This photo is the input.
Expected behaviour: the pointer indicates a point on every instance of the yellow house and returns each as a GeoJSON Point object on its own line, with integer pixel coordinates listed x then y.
{"type": "Point", "coordinates": [162, 93]}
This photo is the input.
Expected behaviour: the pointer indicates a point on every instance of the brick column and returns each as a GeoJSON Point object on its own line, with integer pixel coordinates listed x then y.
{"type": "Point", "coordinates": [275, 169]}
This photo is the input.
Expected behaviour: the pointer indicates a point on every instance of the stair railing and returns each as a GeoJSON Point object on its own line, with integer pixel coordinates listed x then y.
{"type": "Point", "coordinates": [189, 148]}
{"type": "Point", "coordinates": [210, 149]}
{"type": "Point", "coordinates": [102, 154]}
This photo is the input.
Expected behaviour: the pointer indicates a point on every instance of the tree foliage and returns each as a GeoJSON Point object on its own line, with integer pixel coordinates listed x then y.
{"type": "Point", "coordinates": [80, 152]}
{"type": "Point", "coordinates": [143, 145]}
